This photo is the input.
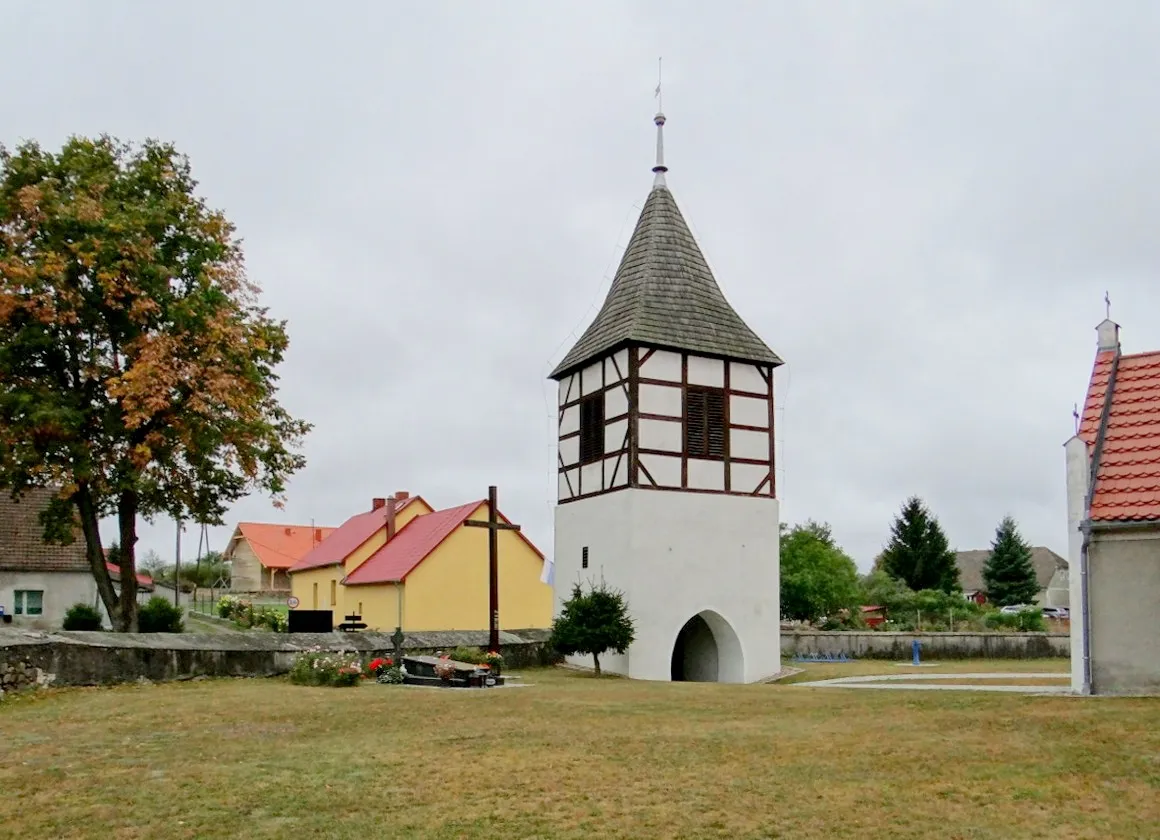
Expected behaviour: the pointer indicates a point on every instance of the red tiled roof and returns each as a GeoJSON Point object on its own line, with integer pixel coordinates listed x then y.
{"type": "Point", "coordinates": [347, 537]}
{"type": "Point", "coordinates": [414, 542]}
{"type": "Point", "coordinates": [22, 545]}
{"type": "Point", "coordinates": [143, 580]}
{"type": "Point", "coordinates": [281, 546]}
{"type": "Point", "coordinates": [1127, 485]}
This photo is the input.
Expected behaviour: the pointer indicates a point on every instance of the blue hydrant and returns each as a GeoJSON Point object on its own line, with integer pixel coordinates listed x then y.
{"type": "Point", "coordinates": [915, 647]}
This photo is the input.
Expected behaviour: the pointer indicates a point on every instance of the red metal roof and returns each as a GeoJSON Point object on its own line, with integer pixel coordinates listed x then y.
{"type": "Point", "coordinates": [348, 536]}
{"type": "Point", "coordinates": [1127, 486]}
{"type": "Point", "coordinates": [281, 546]}
{"type": "Point", "coordinates": [414, 542]}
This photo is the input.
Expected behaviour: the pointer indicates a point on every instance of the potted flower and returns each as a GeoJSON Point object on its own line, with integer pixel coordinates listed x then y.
{"type": "Point", "coordinates": [445, 670]}
{"type": "Point", "coordinates": [494, 661]}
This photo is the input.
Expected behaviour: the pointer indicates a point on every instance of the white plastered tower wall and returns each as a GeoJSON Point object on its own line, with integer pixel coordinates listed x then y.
{"type": "Point", "coordinates": [675, 556]}
{"type": "Point", "coordinates": [666, 462]}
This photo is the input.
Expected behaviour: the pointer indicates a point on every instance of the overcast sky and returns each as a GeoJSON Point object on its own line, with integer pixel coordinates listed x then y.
{"type": "Point", "coordinates": [918, 206]}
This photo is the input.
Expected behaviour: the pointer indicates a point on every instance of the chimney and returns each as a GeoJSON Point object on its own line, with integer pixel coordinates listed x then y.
{"type": "Point", "coordinates": [376, 504]}
{"type": "Point", "coordinates": [390, 517]}
{"type": "Point", "coordinates": [402, 495]}
{"type": "Point", "coordinates": [287, 532]}
{"type": "Point", "coordinates": [318, 535]}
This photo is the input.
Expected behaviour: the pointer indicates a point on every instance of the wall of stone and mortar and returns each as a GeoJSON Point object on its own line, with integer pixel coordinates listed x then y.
{"type": "Point", "coordinates": [897, 646]}
{"type": "Point", "coordinates": [63, 658]}
{"type": "Point", "coordinates": [98, 658]}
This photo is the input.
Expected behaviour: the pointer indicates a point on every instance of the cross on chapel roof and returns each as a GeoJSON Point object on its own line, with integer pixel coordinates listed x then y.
{"type": "Point", "coordinates": [664, 293]}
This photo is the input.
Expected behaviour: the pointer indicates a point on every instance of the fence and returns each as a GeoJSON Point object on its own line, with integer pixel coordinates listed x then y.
{"type": "Point", "coordinates": [204, 600]}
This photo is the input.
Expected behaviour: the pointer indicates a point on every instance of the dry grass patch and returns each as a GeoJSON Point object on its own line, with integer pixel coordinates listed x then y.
{"type": "Point", "coordinates": [575, 757]}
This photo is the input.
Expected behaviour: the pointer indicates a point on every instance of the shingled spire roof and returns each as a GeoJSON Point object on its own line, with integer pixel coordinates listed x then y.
{"type": "Point", "coordinates": [664, 293]}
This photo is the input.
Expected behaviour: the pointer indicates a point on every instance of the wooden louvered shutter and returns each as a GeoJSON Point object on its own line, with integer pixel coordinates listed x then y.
{"type": "Point", "coordinates": [715, 423]}
{"type": "Point", "coordinates": [705, 423]}
{"type": "Point", "coordinates": [592, 428]}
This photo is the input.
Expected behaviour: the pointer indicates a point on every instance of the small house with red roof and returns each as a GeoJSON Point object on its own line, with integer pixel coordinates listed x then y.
{"type": "Point", "coordinates": [405, 564]}
{"type": "Point", "coordinates": [260, 554]}
{"type": "Point", "coordinates": [1113, 497]}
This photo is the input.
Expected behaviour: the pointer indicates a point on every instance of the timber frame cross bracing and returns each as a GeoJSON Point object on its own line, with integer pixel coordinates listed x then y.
{"type": "Point", "coordinates": [602, 425]}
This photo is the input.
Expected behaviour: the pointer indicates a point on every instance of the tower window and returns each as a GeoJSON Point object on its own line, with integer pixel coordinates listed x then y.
{"type": "Point", "coordinates": [592, 428]}
{"type": "Point", "coordinates": [584, 557]}
{"type": "Point", "coordinates": [705, 423]}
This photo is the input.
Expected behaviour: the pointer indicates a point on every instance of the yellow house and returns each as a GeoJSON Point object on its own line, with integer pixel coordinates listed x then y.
{"type": "Point", "coordinates": [316, 579]}
{"type": "Point", "coordinates": [428, 571]}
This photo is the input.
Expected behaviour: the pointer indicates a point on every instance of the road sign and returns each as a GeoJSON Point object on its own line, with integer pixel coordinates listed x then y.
{"type": "Point", "coordinates": [292, 602]}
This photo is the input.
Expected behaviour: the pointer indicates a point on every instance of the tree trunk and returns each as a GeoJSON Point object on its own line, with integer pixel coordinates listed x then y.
{"type": "Point", "coordinates": [596, 663]}
{"type": "Point", "coordinates": [95, 552]}
{"type": "Point", "coordinates": [127, 522]}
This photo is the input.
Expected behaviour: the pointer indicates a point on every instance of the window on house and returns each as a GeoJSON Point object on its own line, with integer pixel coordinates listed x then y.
{"type": "Point", "coordinates": [705, 423]}
{"type": "Point", "coordinates": [333, 593]}
{"type": "Point", "coordinates": [315, 596]}
{"type": "Point", "coordinates": [584, 557]}
{"type": "Point", "coordinates": [29, 602]}
{"type": "Point", "coordinates": [592, 428]}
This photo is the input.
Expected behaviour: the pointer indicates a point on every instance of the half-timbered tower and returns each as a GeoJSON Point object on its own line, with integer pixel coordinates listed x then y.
{"type": "Point", "coordinates": [666, 466]}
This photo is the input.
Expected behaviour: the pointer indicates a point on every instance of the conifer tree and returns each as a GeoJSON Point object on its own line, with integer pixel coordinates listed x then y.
{"type": "Point", "coordinates": [919, 554]}
{"type": "Point", "coordinates": [1009, 575]}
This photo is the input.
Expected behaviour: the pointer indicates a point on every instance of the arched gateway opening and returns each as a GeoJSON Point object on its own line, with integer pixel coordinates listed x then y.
{"type": "Point", "coordinates": [707, 650]}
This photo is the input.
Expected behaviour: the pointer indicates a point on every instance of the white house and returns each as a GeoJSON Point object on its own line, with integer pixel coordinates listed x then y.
{"type": "Point", "coordinates": [666, 485]}
{"type": "Point", "coordinates": [40, 582]}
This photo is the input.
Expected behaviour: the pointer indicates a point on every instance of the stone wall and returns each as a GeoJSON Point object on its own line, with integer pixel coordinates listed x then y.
{"type": "Point", "coordinates": [75, 658]}
{"type": "Point", "coordinates": [897, 646]}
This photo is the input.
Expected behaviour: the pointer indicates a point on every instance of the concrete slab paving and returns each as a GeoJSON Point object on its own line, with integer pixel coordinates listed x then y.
{"type": "Point", "coordinates": [913, 682]}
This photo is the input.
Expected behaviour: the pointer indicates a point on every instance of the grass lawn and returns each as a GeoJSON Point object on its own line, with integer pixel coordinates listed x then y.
{"type": "Point", "coordinates": [577, 757]}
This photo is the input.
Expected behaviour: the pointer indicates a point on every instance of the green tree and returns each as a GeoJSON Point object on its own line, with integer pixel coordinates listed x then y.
{"type": "Point", "coordinates": [918, 553]}
{"type": "Point", "coordinates": [1009, 575]}
{"type": "Point", "coordinates": [592, 622]}
{"type": "Point", "coordinates": [817, 577]}
{"type": "Point", "coordinates": [136, 365]}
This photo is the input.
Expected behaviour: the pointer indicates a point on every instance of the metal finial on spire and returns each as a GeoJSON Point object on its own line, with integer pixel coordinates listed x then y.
{"type": "Point", "coordinates": [660, 169]}
{"type": "Point", "coordinates": [1075, 415]}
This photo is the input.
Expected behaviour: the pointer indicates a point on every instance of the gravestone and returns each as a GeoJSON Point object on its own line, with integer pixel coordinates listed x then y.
{"type": "Point", "coordinates": [421, 671]}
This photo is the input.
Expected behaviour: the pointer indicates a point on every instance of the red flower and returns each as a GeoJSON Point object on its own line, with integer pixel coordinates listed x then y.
{"type": "Point", "coordinates": [378, 663]}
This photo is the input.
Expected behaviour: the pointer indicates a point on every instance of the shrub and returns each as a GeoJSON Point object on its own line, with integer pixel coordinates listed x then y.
{"type": "Point", "coordinates": [227, 605]}
{"type": "Point", "coordinates": [470, 655]}
{"type": "Point", "coordinates": [317, 667]}
{"type": "Point", "coordinates": [160, 616]}
{"type": "Point", "coordinates": [82, 617]}
{"type": "Point", "coordinates": [391, 676]}
{"type": "Point", "coordinates": [1025, 621]}
{"type": "Point", "coordinates": [269, 619]}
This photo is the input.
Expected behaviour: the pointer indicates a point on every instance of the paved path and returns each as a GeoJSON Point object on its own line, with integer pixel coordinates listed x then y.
{"type": "Point", "coordinates": [913, 682]}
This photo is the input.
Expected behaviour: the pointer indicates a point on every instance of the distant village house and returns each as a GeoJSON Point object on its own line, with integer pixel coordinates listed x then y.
{"type": "Point", "coordinates": [1051, 573]}
{"type": "Point", "coordinates": [404, 564]}
{"type": "Point", "coordinates": [39, 582]}
{"type": "Point", "coordinates": [260, 554]}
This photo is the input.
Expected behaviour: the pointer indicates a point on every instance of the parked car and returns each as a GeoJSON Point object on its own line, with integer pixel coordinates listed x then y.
{"type": "Point", "coordinates": [1056, 612]}
{"type": "Point", "coordinates": [1014, 609]}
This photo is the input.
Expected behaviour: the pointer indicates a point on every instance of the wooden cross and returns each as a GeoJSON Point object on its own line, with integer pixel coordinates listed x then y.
{"type": "Point", "coordinates": [494, 526]}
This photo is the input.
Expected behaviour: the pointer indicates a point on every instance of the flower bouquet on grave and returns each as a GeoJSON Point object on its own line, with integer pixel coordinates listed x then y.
{"type": "Point", "coordinates": [494, 661]}
{"type": "Point", "coordinates": [445, 670]}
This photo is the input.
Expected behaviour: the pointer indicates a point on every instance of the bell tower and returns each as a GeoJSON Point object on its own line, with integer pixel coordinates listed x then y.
{"type": "Point", "coordinates": [666, 472]}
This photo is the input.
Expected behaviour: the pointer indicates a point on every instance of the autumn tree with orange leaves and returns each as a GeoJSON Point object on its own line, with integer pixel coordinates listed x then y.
{"type": "Point", "coordinates": [137, 370]}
